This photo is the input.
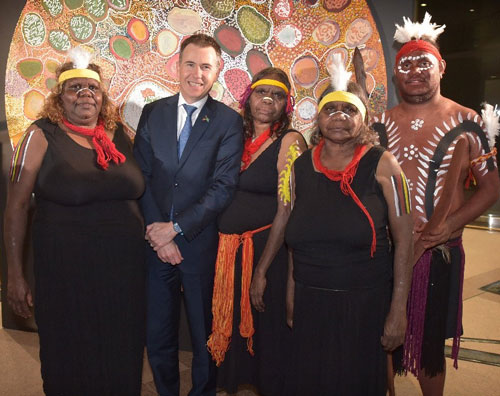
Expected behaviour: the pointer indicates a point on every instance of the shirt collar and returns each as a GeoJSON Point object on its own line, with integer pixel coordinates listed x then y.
{"type": "Point", "coordinates": [199, 104]}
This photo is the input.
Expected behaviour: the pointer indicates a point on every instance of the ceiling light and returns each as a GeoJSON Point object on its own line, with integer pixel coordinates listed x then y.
{"type": "Point", "coordinates": [472, 10]}
{"type": "Point", "coordinates": [423, 4]}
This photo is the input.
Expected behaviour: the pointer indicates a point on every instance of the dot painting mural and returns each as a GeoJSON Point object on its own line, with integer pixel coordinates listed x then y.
{"type": "Point", "coordinates": [136, 43]}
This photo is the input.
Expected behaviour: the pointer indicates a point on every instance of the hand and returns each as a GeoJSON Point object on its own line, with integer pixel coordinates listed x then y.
{"type": "Point", "coordinates": [257, 288]}
{"type": "Point", "coordinates": [394, 330]}
{"type": "Point", "coordinates": [159, 234]}
{"type": "Point", "coordinates": [170, 253]}
{"type": "Point", "coordinates": [19, 297]}
{"type": "Point", "coordinates": [437, 236]}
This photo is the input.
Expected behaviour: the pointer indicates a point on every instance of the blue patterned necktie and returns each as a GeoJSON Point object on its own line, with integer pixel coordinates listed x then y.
{"type": "Point", "coordinates": [186, 129]}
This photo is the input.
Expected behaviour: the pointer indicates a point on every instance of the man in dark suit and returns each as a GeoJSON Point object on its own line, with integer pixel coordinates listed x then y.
{"type": "Point", "coordinates": [189, 149]}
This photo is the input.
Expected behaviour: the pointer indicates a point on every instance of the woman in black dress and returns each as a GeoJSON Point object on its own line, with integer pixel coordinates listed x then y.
{"type": "Point", "coordinates": [87, 238]}
{"type": "Point", "coordinates": [251, 241]}
{"type": "Point", "coordinates": [348, 192]}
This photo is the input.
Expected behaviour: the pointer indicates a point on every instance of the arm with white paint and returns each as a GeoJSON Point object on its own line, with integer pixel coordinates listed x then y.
{"type": "Point", "coordinates": [396, 193]}
{"type": "Point", "coordinates": [26, 162]}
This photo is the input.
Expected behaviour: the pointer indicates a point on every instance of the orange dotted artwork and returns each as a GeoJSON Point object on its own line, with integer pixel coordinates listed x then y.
{"type": "Point", "coordinates": [136, 43]}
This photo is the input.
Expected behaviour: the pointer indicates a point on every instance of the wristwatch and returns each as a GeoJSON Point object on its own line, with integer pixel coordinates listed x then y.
{"type": "Point", "coordinates": [177, 228]}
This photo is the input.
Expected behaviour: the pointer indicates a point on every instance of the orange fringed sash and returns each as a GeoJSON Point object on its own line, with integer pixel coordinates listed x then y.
{"type": "Point", "coordinates": [223, 297]}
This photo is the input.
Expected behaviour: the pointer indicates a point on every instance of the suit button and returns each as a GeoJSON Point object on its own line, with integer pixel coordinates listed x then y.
{"type": "Point", "coordinates": [176, 213]}
{"type": "Point", "coordinates": [176, 184]}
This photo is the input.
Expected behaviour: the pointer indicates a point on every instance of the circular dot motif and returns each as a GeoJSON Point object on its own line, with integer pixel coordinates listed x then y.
{"type": "Point", "coordinates": [410, 152]}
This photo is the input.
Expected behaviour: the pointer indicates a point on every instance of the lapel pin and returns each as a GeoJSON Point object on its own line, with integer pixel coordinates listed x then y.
{"type": "Point", "coordinates": [205, 119]}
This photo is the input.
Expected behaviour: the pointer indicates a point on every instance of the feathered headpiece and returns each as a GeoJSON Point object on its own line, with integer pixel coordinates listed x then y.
{"type": "Point", "coordinates": [80, 59]}
{"type": "Point", "coordinates": [339, 76]}
{"type": "Point", "coordinates": [414, 35]}
{"type": "Point", "coordinates": [339, 80]}
{"type": "Point", "coordinates": [491, 121]}
{"type": "Point", "coordinates": [417, 31]}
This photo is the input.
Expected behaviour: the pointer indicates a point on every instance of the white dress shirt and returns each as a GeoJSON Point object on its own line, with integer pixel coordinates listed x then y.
{"type": "Point", "coordinates": [181, 112]}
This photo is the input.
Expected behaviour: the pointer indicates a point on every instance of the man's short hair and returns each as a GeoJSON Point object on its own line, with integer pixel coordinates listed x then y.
{"type": "Point", "coordinates": [201, 40]}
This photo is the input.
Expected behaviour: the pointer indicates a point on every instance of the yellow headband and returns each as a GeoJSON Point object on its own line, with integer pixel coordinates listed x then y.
{"type": "Point", "coordinates": [343, 96]}
{"type": "Point", "coordinates": [268, 81]}
{"type": "Point", "coordinates": [76, 73]}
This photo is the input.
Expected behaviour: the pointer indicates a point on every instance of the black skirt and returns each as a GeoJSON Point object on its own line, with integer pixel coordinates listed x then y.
{"type": "Point", "coordinates": [336, 347]}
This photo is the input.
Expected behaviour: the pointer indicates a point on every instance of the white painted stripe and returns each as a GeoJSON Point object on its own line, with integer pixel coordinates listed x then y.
{"type": "Point", "coordinates": [396, 198]}
{"type": "Point", "coordinates": [24, 155]}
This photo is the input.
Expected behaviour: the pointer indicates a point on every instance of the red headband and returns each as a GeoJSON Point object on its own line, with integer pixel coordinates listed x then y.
{"type": "Point", "coordinates": [418, 45]}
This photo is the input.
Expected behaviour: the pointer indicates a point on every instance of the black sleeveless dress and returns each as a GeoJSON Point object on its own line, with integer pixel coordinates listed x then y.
{"type": "Point", "coordinates": [254, 206]}
{"type": "Point", "coordinates": [88, 238]}
{"type": "Point", "coordinates": [342, 294]}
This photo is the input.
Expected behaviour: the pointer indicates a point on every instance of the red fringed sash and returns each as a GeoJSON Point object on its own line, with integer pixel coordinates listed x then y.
{"type": "Point", "coordinates": [345, 177]}
{"type": "Point", "coordinates": [104, 147]}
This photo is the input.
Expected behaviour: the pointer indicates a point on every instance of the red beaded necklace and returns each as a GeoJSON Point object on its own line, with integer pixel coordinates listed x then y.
{"type": "Point", "coordinates": [104, 147]}
{"type": "Point", "coordinates": [345, 177]}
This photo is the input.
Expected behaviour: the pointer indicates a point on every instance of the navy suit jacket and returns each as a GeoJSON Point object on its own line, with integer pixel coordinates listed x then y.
{"type": "Point", "coordinates": [200, 184]}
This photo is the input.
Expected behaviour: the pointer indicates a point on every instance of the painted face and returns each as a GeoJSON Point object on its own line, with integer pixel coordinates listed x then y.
{"type": "Point", "coordinates": [418, 76]}
{"type": "Point", "coordinates": [82, 101]}
{"type": "Point", "coordinates": [198, 70]}
{"type": "Point", "coordinates": [340, 121]}
{"type": "Point", "coordinates": [267, 103]}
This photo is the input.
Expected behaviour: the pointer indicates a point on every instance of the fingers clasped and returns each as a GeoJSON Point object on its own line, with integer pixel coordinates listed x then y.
{"type": "Point", "coordinates": [170, 253]}
{"type": "Point", "coordinates": [158, 234]}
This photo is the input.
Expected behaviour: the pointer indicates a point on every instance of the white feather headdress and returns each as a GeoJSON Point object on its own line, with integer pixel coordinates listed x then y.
{"type": "Point", "coordinates": [339, 80]}
{"type": "Point", "coordinates": [339, 76]}
{"type": "Point", "coordinates": [490, 117]}
{"type": "Point", "coordinates": [80, 57]}
{"type": "Point", "coordinates": [416, 30]}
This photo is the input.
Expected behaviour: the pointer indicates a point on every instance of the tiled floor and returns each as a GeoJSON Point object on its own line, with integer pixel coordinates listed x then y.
{"type": "Point", "coordinates": [20, 367]}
